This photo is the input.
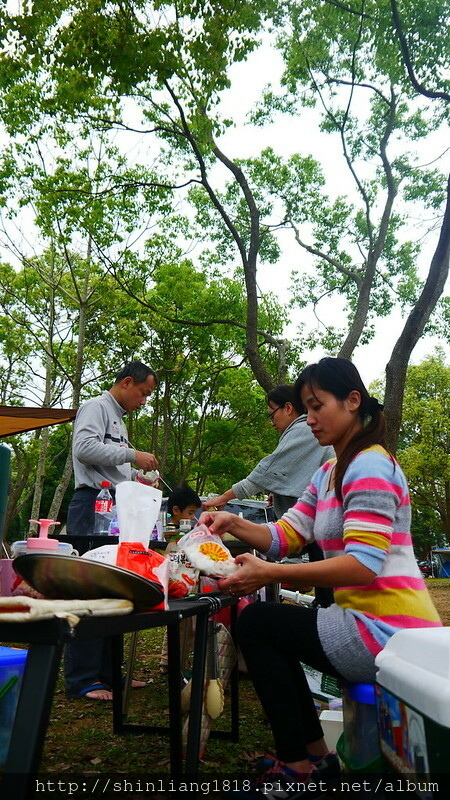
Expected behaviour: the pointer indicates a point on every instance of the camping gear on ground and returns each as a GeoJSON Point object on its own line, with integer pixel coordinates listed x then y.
{"type": "Point", "coordinates": [69, 577]}
{"type": "Point", "coordinates": [226, 659]}
{"type": "Point", "coordinates": [332, 722]}
{"type": "Point", "coordinates": [413, 699]}
{"type": "Point", "coordinates": [358, 746]}
{"type": "Point", "coordinates": [12, 665]}
{"type": "Point", "coordinates": [214, 698]}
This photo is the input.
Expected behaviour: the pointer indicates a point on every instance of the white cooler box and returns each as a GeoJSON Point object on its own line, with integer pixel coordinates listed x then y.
{"type": "Point", "coordinates": [413, 705]}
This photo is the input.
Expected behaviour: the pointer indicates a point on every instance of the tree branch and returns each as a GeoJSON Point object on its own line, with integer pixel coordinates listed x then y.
{"type": "Point", "coordinates": [332, 261]}
{"type": "Point", "coordinates": [419, 87]}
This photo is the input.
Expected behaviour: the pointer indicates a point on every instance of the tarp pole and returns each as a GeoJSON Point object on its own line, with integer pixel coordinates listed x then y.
{"type": "Point", "coordinates": [5, 458]}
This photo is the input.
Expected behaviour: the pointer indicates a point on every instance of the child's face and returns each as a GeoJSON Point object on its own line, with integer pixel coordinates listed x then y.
{"type": "Point", "coordinates": [183, 513]}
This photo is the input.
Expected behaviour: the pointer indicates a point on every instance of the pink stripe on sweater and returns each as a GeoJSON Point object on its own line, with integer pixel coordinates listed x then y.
{"type": "Point", "coordinates": [406, 621]}
{"type": "Point", "coordinates": [331, 544]}
{"type": "Point", "coordinates": [284, 551]}
{"type": "Point", "coordinates": [371, 485]}
{"type": "Point", "coordinates": [366, 516]}
{"type": "Point", "coordinates": [304, 508]}
{"type": "Point", "coordinates": [396, 582]}
{"type": "Point", "coordinates": [330, 502]}
{"type": "Point", "coordinates": [371, 643]}
{"type": "Point", "coordinates": [401, 538]}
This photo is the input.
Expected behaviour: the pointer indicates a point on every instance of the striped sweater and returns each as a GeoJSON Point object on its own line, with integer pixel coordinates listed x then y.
{"type": "Point", "coordinates": [371, 523]}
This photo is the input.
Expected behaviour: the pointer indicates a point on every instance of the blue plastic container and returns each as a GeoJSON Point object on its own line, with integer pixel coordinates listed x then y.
{"type": "Point", "coordinates": [12, 665]}
{"type": "Point", "coordinates": [359, 746]}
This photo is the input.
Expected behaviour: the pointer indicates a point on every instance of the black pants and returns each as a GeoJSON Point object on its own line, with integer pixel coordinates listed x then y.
{"type": "Point", "coordinates": [85, 663]}
{"type": "Point", "coordinates": [80, 513]}
{"type": "Point", "coordinates": [274, 638]}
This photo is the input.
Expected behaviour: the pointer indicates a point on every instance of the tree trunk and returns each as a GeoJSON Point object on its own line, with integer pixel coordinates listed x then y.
{"type": "Point", "coordinates": [61, 488]}
{"type": "Point", "coordinates": [39, 481]}
{"type": "Point", "coordinates": [413, 329]}
{"type": "Point", "coordinates": [16, 488]}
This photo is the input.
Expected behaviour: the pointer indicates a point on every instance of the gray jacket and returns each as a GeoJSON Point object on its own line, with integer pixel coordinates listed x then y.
{"type": "Point", "coordinates": [100, 447]}
{"type": "Point", "coordinates": [288, 470]}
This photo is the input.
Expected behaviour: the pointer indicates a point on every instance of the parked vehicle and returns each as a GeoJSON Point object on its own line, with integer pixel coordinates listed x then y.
{"type": "Point", "coordinates": [429, 568]}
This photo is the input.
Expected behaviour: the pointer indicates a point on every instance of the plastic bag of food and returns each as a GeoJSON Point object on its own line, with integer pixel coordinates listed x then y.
{"type": "Point", "coordinates": [147, 563]}
{"type": "Point", "coordinates": [207, 552]}
{"type": "Point", "coordinates": [183, 576]}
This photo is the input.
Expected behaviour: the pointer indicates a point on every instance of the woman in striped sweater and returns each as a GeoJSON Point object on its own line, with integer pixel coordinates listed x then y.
{"type": "Point", "coordinates": [357, 508]}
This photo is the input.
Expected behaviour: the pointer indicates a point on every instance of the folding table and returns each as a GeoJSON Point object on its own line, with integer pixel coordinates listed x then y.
{"type": "Point", "coordinates": [46, 640]}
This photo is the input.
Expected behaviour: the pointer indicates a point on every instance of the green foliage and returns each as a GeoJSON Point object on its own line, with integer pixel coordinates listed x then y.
{"type": "Point", "coordinates": [424, 451]}
{"type": "Point", "coordinates": [150, 260]}
{"type": "Point", "coordinates": [346, 60]}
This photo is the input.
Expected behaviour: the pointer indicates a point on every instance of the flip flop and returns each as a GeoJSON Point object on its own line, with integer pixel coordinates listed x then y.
{"type": "Point", "coordinates": [82, 694]}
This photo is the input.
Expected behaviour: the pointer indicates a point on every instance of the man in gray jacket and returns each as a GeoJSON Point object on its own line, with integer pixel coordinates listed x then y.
{"type": "Point", "coordinates": [100, 447]}
{"type": "Point", "coordinates": [101, 452]}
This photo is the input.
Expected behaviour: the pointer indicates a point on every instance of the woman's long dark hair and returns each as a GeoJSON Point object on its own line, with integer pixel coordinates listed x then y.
{"type": "Point", "coordinates": [340, 377]}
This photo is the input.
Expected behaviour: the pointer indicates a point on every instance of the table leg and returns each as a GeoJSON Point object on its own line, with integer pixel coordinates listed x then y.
{"type": "Point", "coordinates": [129, 673]}
{"type": "Point", "coordinates": [174, 684]}
{"type": "Point", "coordinates": [197, 691]}
{"type": "Point", "coordinates": [116, 664]}
{"type": "Point", "coordinates": [234, 683]}
{"type": "Point", "coordinates": [31, 720]}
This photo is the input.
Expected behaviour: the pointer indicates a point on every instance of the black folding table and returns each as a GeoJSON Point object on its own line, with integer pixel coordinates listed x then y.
{"type": "Point", "coordinates": [46, 640]}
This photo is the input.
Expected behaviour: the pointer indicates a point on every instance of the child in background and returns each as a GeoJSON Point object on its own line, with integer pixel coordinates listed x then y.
{"type": "Point", "coordinates": [182, 503]}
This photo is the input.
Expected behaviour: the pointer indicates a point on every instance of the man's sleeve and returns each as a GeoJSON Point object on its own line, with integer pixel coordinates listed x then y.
{"type": "Point", "coordinates": [88, 445]}
{"type": "Point", "coordinates": [247, 488]}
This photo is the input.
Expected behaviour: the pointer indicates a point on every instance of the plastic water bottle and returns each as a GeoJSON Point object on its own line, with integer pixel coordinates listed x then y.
{"type": "Point", "coordinates": [103, 509]}
{"type": "Point", "coordinates": [114, 524]}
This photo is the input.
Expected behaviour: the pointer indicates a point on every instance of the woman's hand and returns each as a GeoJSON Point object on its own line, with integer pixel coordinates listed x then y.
{"type": "Point", "coordinates": [253, 573]}
{"type": "Point", "coordinates": [257, 536]}
{"type": "Point", "coordinates": [218, 522]}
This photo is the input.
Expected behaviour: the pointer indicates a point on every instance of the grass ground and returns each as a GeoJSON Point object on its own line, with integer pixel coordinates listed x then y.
{"type": "Point", "coordinates": [80, 738]}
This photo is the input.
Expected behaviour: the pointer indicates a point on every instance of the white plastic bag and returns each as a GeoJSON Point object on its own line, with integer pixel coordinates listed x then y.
{"type": "Point", "coordinates": [207, 552]}
{"type": "Point", "coordinates": [106, 554]}
{"type": "Point", "coordinates": [137, 511]}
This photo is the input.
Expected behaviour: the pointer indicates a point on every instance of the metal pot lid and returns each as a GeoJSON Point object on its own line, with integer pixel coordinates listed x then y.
{"type": "Point", "coordinates": [70, 578]}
